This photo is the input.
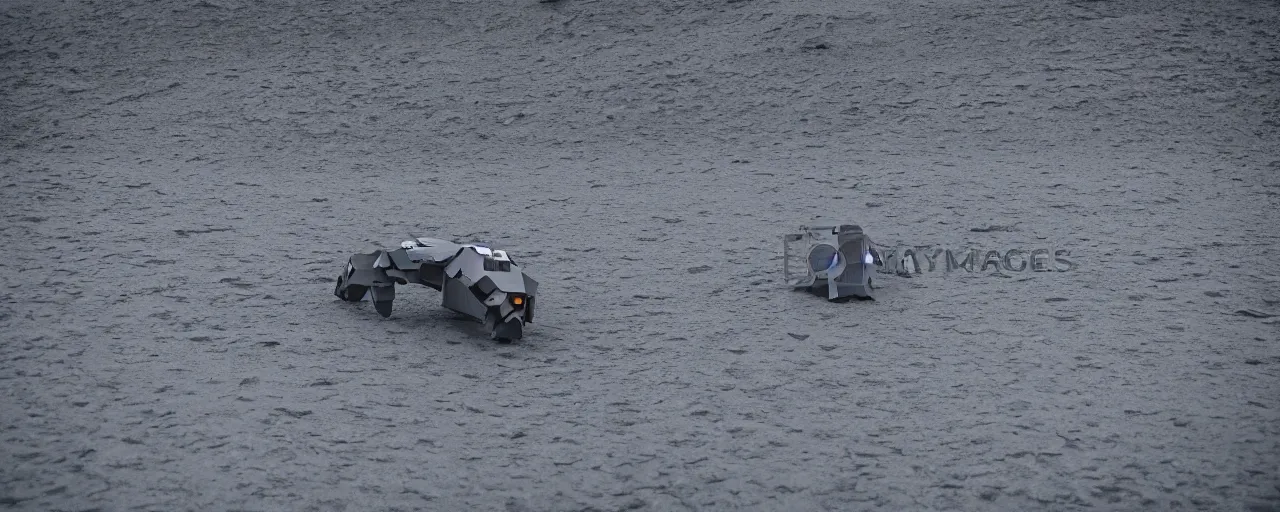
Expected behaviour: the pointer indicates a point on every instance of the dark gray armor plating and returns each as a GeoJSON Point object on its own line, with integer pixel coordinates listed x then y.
{"type": "Point", "coordinates": [839, 261]}
{"type": "Point", "coordinates": [476, 281]}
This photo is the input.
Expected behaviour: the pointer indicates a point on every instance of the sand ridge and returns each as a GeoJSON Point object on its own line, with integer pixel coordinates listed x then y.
{"type": "Point", "coordinates": [182, 180]}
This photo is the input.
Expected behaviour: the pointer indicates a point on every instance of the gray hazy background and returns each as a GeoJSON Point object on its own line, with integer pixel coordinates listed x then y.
{"type": "Point", "coordinates": [183, 179]}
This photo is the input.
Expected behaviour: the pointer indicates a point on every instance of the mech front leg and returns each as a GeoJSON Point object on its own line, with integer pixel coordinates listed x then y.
{"type": "Point", "coordinates": [366, 276]}
{"type": "Point", "coordinates": [382, 297]}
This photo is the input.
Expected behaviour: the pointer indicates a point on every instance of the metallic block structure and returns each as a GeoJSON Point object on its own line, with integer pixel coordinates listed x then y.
{"type": "Point", "coordinates": [474, 280]}
{"type": "Point", "coordinates": [838, 261]}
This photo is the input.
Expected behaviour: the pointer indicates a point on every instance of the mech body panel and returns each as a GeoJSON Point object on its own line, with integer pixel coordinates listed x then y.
{"type": "Point", "coordinates": [474, 280]}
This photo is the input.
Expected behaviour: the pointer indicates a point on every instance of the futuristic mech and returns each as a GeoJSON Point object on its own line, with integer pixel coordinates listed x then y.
{"type": "Point", "coordinates": [476, 281]}
{"type": "Point", "coordinates": [840, 260]}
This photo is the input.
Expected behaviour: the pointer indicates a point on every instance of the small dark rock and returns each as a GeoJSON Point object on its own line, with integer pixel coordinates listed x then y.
{"type": "Point", "coordinates": [816, 43]}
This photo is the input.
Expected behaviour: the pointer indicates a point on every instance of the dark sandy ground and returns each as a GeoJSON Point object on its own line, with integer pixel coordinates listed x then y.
{"type": "Point", "coordinates": [182, 179]}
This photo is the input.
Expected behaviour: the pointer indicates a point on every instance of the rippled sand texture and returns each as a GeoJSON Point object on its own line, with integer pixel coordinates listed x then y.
{"type": "Point", "coordinates": [182, 180]}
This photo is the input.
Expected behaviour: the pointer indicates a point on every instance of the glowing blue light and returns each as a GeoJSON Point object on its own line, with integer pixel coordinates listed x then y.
{"type": "Point", "coordinates": [868, 259]}
{"type": "Point", "coordinates": [835, 261]}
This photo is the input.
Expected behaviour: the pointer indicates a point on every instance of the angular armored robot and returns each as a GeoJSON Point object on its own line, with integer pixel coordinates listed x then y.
{"type": "Point", "coordinates": [476, 281]}
{"type": "Point", "coordinates": [839, 259]}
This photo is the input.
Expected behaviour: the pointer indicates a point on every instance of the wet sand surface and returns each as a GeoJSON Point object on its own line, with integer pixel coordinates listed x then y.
{"type": "Point", "coordinates": [182, 180]}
